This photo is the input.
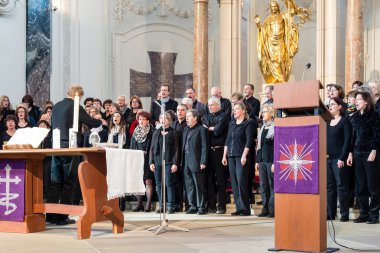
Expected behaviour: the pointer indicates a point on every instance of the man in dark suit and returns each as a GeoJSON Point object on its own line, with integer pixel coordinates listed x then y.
{"type": "Point", "coordinates": [179, 125]}
{"type": "Point", "coordinates": [249, 89]}
{"type": "Point", "coordinates": [64, 169]}
{"type": "Point", "coordinates": [170, 104]}
{"type": "Point", "coordinates": [194, 159]}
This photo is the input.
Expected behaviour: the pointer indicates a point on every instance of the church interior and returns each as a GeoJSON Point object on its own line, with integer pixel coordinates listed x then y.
{"type": "Point", "coordinates": [133, 47]}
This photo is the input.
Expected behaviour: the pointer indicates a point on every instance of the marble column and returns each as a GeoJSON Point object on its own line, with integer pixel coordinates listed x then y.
{"type": "Point", "coordinates": [354, 43]}
{"type": "Point", "coordinates": [200, 75]}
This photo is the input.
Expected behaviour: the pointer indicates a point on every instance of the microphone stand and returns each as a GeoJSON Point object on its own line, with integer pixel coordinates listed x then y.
{"type": "Point", "coordinates": [164, 223]}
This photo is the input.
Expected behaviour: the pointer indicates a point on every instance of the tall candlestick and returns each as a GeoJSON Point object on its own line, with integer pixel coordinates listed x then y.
{"type": "Point", "coordinates": [76, 114]}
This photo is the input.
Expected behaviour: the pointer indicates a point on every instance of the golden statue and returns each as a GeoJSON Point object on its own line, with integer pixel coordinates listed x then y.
{"type": "Point", "coordinates": [277, 41]}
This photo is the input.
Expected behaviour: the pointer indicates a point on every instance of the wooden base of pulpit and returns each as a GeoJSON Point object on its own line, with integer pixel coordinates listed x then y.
{"type": "Point", "coordinates": [92, 178]}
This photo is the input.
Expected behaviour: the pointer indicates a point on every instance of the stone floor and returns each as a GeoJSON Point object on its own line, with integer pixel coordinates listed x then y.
{"type": "Point", "coordinates": [208, 234]}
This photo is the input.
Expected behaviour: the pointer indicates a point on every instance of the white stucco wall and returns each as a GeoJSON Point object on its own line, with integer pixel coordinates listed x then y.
{"type": "Point", "coordinates": [13, 53]}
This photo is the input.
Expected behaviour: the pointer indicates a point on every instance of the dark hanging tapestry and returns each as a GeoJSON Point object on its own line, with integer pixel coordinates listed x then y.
{"type": "Point", "coordinates": [38, 50]}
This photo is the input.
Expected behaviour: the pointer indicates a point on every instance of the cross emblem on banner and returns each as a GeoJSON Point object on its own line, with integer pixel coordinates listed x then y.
{"type": "Point", "coordinates": [5, 201]}
{"type": "Point", "coordinates": [162, 67]}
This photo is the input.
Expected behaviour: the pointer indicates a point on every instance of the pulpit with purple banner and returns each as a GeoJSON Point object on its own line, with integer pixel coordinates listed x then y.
{"type": "Point", "coordinates": [300, 167]}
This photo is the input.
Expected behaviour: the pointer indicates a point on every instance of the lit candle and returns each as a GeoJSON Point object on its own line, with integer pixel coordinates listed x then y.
{"type": "Point", "coordinates": [76, 113]}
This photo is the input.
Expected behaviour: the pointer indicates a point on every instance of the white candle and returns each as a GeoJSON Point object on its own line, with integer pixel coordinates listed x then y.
{"type": "Point", "coordinates": [76, 113]}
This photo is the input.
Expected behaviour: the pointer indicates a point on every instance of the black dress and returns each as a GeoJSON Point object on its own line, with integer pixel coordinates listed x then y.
{"type": "Point", "coordinates": [144, 146]}
{"type": "Point", "coordinates": [5, 137]}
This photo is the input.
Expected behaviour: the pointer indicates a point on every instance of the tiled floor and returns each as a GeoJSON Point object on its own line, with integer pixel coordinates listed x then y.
{"type": "Point", "coordinates": [208, 234]}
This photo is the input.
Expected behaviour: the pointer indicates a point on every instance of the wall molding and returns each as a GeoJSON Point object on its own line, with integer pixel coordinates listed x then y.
{"type": "Point", "coordinates": [161, 7]}
{"type": "Point", "coordinates": [7, 6]}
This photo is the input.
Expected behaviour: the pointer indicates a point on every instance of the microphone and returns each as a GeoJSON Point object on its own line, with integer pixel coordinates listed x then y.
{"type": "Point", "coordinates": [306, 67]}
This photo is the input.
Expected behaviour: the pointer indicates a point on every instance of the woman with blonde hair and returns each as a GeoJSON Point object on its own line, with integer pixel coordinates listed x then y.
{"type": "Point", "coordinates": [5, 110]}
{"type": "Point", "coordinates": [374, 87]}
{"type": "Point", "coordinates": [264, 164]}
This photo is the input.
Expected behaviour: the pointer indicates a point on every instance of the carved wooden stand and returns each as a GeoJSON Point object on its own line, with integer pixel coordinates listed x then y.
{"type": "Point", "coordinates": [92, 178]}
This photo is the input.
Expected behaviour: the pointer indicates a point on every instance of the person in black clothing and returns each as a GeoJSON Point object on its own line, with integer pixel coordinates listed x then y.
{"type": "Point", "coordinates": [141, 140]}
{"type": "Point", "coordinates": [180, 192]}
{"type": "Point", "coordinates": [225, 103]}
{"type": "Point", "coordinates": [363, 152]}
{"type": "Point", "coordinates": [338, 175]}
{"type": "Point", "coordinates": [264, 164]}
{"type": "Point", "coordinates": [375, 93]}
{"type": "Point", "coordinates": [216, 177]}
{"type": "Point", "coordinates": [6, 109]}
{"type": "Point", "coordinates": [171, 158]}
{"type": "Point", "coordinates": [180, 123]}
{"type": "Point", "coordinates": [194, 161]}
{"type": "Point", "coordinates": [200, 107]}
{"type": "Point", "coordinates": [46, 143]}
{"type": "Point", "coordinates": [136, 105]}
{"type": "Point", "coordinates": [11, 123]}
{"type": "Point", "coordinates": [170, 104]}
{"type": "Point", "coordinates": [33, 110]}
{"type": "Point", "coordinates": [249, 89]}
{"type": "Point", "coordinates": [238, 97]}
{"type": "Point", "coordinates": [123, 108]}
{"type": "Point", "coordinates": [238, 144]}
{"type": "Point", "coordinates": [64, 169]}
{"type": "Point", "coordinates": [336, 91]}
{"type": "Point", "coordinates": [106, 106]}
{"type": "Point", "coordinates": [351, 107]}
{"type": "Point", "coordinates": [269, 94]}
{"type": "Point", "coordinates": [23, 119]}
{"type": "Point", "coordinates": [356, 84]}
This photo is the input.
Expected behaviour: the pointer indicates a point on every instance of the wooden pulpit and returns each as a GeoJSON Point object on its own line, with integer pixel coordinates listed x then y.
{"type": "Point", "coordinates": [300, 219]}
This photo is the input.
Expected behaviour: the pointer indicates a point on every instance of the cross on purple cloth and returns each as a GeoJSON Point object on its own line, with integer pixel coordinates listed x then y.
{"type": "Point", "coordinates": [296, 154]}
{"type": "Point", "coordinates": [12, 185]}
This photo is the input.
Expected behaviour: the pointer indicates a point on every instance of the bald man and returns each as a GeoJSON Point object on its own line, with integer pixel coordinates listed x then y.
{"type": "Point", "coordinates": [225, 103]}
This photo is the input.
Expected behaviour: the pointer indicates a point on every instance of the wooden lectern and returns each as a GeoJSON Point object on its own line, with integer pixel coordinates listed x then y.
{"type": "Point", "coordinates": [300, 219]}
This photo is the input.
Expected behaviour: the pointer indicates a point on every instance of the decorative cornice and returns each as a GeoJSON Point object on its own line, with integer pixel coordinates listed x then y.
{"type": "Point", "coordinates": [160, 6]}
{"type": "Point", "coordinates": [7, 6]}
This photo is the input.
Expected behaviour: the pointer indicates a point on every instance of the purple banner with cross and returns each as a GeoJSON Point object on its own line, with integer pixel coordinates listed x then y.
{"type": "Point", "coordinates": [296, 154]}
{"type": "Point", "coordinates": [12, 185]}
